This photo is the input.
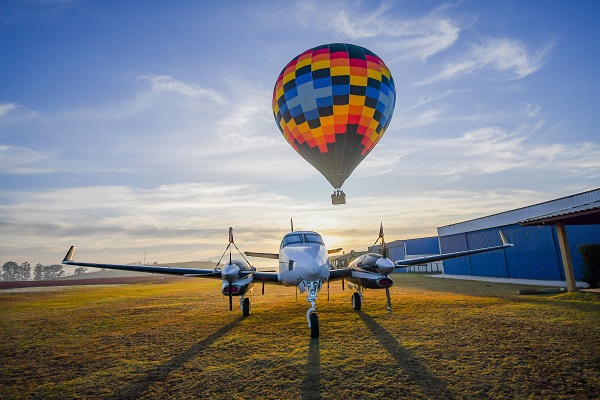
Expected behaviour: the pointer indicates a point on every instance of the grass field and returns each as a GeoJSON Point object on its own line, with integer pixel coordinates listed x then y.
{"type": "Point", "coordinates": [445, 339]}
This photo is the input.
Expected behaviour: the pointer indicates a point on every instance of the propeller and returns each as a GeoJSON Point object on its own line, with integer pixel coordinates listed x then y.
{"type": "Point", "coordinates": [231, 271]}
{"type": "Point", "coordinates": [385, 266]}
{"type": "Point", "coordinates": [229, 291]}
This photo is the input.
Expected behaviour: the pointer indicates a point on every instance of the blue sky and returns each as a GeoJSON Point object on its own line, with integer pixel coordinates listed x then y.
{"type": "Point", "coordinates": [132, 127]}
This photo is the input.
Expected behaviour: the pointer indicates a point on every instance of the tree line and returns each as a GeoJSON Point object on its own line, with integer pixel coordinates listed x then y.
{"type": "Point", "coordinates": [11, 271]}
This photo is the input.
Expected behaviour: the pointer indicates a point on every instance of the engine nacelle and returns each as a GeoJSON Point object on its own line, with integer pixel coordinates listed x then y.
{"type": "Point", "coordinates": [239, 287]}
{"type": "Point", "coordinates": [370, 280]}
{"type": "Point", "coordinates": [374, 262]}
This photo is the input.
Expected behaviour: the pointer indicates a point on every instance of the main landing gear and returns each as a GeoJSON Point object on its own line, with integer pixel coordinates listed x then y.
{"type": "Point", "coordinates": [245, 306]}
{"type": "Point", "coordinates": [357, 297]}
{"type": "Point", "coordinates": [356, 301]}
{"type": "Point", "coordinates": [311, 314]}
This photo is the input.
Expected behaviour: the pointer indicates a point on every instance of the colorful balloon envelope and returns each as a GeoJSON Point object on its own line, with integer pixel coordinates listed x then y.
{"type": "Point", "coordinates": [333, 104]}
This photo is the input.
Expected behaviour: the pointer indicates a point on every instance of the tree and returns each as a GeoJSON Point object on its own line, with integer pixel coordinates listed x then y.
{"type": "Point", "coordinates": [53, 271]}
{"type": "Point", "coordinates": [24, 272]}
{"type": "Point", "coordinates": [80, 270]}
{"type": "Point", "coordinates": [38, 272]}
{"type": "Point", "coordinates": [9, 271]}
{"type": "Point", "coordinates": [591, 260]}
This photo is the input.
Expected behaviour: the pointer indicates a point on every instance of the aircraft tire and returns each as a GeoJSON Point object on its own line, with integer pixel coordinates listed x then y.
{"type": "Point", "coordinates": [356, 301]}
{"type": "Point", "coordinates": [246, 307]}
{"type": "Point", "coordinates": [314, 325]}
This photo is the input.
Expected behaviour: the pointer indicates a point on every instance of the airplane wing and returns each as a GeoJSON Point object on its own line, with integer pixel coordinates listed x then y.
{"type": "Point", "coordinates": [336, 274]}
{"type": "Point", "coordinates": [273, 256]}
{"type": "Point", "coordinates": [346, 272]}
{"type": "Point", "coordinates": [154, 269]}
{"type": "Point", "coordinates": [272, 277]}
{"type": "Point", "coordinates": [447, 256]}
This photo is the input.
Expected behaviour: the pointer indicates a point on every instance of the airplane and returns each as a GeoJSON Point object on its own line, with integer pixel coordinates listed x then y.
{"type": "Point", "coordinates": [303, 263]}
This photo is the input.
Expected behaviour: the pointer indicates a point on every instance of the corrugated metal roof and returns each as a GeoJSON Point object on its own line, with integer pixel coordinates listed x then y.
{"type": "Point", "coordinates": [522, 214]}
{"type": "Point", "coordinates": [571, 211]}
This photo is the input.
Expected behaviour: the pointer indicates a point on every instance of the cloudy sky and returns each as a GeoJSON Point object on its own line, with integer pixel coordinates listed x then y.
{"type": "Point", "coordinates": [133, 127]}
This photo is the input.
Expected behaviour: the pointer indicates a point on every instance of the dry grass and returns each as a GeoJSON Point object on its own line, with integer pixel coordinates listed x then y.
{"type": "Point", "coordinates": [445, 339]}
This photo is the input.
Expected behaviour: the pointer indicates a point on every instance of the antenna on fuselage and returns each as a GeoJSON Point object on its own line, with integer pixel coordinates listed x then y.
{"type": "Point", "coordinates": [292, 224]}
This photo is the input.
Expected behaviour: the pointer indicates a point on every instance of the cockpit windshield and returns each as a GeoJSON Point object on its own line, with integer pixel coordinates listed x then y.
{"type": "Point", "coordinates": [302, 238]}
{"type": "Point", "coordinates": [289, 239]}
{"type": "Point", "coordinates": [313, 238]}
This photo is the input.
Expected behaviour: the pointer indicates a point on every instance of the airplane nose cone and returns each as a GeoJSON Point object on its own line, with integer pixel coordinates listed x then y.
{"type": "Point", "coordinates": [315, 272]}
{"type": "Point", "coordinates": [230, 272]}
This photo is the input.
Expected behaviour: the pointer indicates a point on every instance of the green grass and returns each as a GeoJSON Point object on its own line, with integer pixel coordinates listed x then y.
{"type": "Point", "coordinates": [444, 339]}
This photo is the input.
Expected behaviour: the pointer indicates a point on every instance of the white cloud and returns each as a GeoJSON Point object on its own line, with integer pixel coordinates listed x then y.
{"type": "Point", "coordinates": [18, 160]}
{"type": "Point", "coordinates": [503, 55]}
{"type": "Point", "coordinates": [491, 150]}
{"type": "Point", "coordinates": [168, 84]}
{"type": "Point", "coordinates": [5, 108]}
{"type": "Point", "coordinates": [402, 39]}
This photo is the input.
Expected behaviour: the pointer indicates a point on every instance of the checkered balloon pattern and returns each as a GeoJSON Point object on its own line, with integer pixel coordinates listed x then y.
{"type": "Point", "coordinates": [332, 104]}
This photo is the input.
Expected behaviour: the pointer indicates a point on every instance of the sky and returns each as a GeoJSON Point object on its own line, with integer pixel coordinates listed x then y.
{"type": "Point", "coordinates": [145, 129]}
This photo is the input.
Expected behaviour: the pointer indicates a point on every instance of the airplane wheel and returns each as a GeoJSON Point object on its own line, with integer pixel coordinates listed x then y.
{"type": "Point", "coordinates": [356, 301]}
{"type": "Point", "coordinates": [246, 307]}
{"type": "Point", "coordinates": [314, 325]}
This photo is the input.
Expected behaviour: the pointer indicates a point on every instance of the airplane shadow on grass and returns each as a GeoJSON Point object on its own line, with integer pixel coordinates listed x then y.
{"type": "Point", "coordinates": [137, 388]}
{"type": "Point", "coordinates": [311, 387]}
{"type": "Point", "coordinates": [417, 371]}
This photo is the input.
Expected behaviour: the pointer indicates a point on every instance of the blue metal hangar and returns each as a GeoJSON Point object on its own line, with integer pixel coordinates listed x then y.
{"type": "Point", "coordinates": [546, 237]}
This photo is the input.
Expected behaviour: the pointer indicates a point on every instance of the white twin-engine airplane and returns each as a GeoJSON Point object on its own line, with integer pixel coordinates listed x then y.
{"type": "Point", "coordinates": [303, 263]}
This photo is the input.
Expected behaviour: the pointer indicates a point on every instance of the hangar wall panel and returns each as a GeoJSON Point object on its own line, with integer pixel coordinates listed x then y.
{"type": "Point", "coordinates": [450, 244]}
{"type": "Point", "coordinates": [428, 245]}
{"type": "Point", "coordinates": [487, 264]}
{"type": "Point", "coordinates": [535, 255]}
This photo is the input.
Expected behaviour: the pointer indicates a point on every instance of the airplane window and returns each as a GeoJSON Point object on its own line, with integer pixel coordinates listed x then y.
{"type": "Point", "coordinates": [312, 238]}
{"type": "Point", "coordinates": [289, 239]}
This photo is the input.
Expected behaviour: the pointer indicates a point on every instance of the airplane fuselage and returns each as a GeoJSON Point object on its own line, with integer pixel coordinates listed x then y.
{"type": "Point", "coordinates": [303, 258]}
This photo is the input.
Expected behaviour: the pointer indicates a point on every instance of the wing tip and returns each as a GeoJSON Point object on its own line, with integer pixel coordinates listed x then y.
{"type": "Point", "coordinates": [505, 241]}
{"type": "Point", "coordinates": [69, 256]}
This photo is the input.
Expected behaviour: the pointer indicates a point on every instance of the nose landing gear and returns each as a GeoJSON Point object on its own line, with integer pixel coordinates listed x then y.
{"type": "Point", "coordinates": [311, 314]}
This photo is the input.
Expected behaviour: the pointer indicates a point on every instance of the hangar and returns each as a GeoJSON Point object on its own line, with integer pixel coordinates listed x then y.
{"type": "Point", "coordinates": [546, 238]}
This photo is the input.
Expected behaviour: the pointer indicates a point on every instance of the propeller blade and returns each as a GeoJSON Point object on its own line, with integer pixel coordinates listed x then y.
{"type": "Point", "coordinates": [343, 288]}
{"type": "Point", "coordinates": [387, 294]}
{"type": "Point", "coordinates": [263, 288]}
{"type": "Point", "coordinates": [230, 298]}
{"type": "Point", "coordinates": [327, 290]}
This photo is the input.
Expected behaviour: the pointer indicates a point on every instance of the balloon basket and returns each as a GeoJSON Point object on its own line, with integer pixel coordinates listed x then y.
{"type": "Point", "coordinates": [338, 197]}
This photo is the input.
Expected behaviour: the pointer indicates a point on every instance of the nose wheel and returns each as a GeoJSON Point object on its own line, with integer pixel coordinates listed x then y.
{"type": "Point", "coordinates": [313, 318]}
{"type": "Point", "coordinates": [311, 314]}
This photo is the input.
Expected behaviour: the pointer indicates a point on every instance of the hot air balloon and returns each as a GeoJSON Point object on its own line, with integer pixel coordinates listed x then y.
{"type": "Point", "coordinates": [332, 104]}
